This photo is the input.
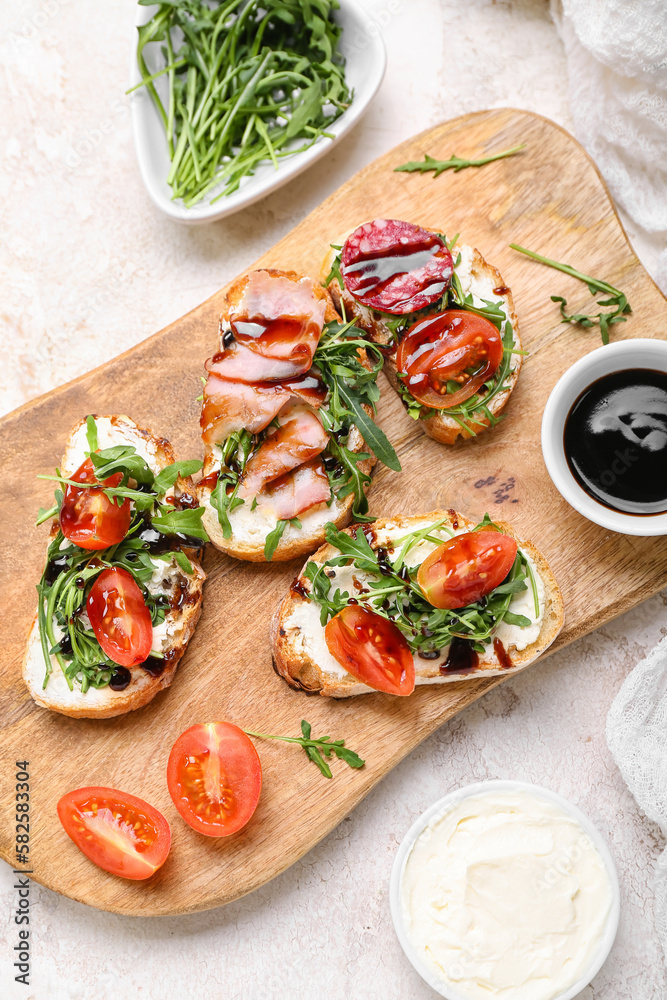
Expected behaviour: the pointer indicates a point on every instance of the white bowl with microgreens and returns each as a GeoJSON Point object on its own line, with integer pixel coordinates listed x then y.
{"type": "Point", "coordinates": [503, 890]}
{"type": "Point", "coordinates": [361, 46]}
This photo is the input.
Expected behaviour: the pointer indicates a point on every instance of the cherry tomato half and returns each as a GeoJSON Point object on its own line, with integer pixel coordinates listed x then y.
{"type": "Point", "coordinates": [372, 649]}
{"type": "Point", "coordinates": [89, 518]}
{"type": "Point", "coordinates": [452, 346]}
{"type": "Point", "coordinates": [119, 832]}
{"type": "Point", "coordinates": [214, 777]}
{"type": "Point", "coordinates": [466, 568]}
{"type": "Point", "coordinates": [119, 617]}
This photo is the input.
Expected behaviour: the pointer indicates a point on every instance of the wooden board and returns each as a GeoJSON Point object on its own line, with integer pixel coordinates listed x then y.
{"type": "Point", "coordinates": [551, 199]}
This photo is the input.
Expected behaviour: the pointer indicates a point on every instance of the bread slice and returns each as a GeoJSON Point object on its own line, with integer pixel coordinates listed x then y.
{"type": "Point", "coordinates": [302, 658]}
{"type": "Point", "coordinates": [477, 277]}
{"type": "Point", "coordinates": [171, 637]}
{"type": "Point", "coordinates": [251, 528]}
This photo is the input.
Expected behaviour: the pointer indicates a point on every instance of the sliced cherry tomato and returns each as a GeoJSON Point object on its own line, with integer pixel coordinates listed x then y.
{"type": "Point", "coordinates": [119, 617]}
{"type": "Point", "coordinates": [119, 832]}
{"type": "Point", "coordinates": [214, 777]}
{"type": "Point", "coordinates": [466, 568]}
{"type": "Point", "coordinates": [452, 346]}
{"type": "Point", "coordinates": [372, 649]}
{"type": "Point", "coordinates": [89, 518]}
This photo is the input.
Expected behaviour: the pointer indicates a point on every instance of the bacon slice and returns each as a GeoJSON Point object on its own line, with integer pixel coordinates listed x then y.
{"type": "Point", "coordinates": [279, 319]}
{"type": "Point", "coordinates": [238, 363]}
{"type": "Point", "coordinates": [230, 406]}
{"type": "Point", "coordinates": [297, 491]}
{"type": "Point", "coordinates": [299, 438]}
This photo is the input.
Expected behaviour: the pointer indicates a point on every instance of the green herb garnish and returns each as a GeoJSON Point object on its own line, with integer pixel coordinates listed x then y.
{"type": "Point", "coordinates": [617, 300]}
{"type": "Point", "coordinates": [248, 82]}
{"type": "Point", "coordinates": [315, 748]}
{"type": "Point", "coordinates": [454, 163]}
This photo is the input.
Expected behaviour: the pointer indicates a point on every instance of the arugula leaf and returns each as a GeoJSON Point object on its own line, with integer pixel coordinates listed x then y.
{"type": "Point", "coordinates": [351, 384]}
{"type": "Point", "coordinates": [234, 455]}
{"type": "Point", "coordinates": [185, 522]}
{"type": "Point", "coordinates": [519, 620]}
{"type": "Point", "coordinates": [91, 433]}
{"type": "Point", "coordinates": [349, 478]}
{"type": "Point", "coordinates": [374, 436]}
{"type": "Point", "coordinates": [273, 539]}
{"type": "Point", "coordinates": [46, 513]}
{"type": "Point", "coordinates": [356, 546]}
{"type": "Point", "coordinates": [335, 272]}
{"type": "Point", "coordinates": [168, 476]}
{"type": "Point", "coordinates": [141, 500]}
{"type": "Point", "coordinates": [225, 502]}
{"type": "Point", "coordinates": [182, 561]}
{"type": "Point", "coordinates": [123, 459]}
{"type": "Point", "coordinates": [454, 163]}
{"type": "Point", "coordinates": [616, 298]}
{"type": "Point", "coordinates": [317, 749]}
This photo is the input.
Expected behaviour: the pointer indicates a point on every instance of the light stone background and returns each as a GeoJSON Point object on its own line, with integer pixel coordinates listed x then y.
{"type": "Point", "coordinates": [90, 268]}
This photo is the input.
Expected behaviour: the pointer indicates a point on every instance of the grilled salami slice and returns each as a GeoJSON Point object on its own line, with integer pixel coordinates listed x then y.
{"type": "Point", "coordinates": [395, 266]}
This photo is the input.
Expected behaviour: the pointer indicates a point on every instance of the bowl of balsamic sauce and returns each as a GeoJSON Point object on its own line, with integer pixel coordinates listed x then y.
{"type": "Point", "coordinates": [604, 436]}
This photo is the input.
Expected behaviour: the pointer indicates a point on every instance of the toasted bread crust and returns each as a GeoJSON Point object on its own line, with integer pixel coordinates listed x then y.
{"type": "Point", "coordinates": [440, 427]}
{"type": "Point", "coordinates": [296, 543]}
{"type": "Point", "coordinates": [104, 703]}
{"type": "Point", "coordinates": [303, 673]}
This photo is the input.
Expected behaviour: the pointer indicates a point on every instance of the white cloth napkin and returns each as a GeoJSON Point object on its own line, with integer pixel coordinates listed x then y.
{"type": "Point", "coordinates": [616, 53]}
{"type": "Point", "coordinates": [637, 738]}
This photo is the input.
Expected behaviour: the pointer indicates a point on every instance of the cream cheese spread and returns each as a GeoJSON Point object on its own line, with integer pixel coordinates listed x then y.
{"type": "Point", "coordinates": [505, 896]}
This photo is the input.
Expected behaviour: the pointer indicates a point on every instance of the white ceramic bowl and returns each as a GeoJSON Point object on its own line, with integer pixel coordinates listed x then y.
{"type": "Point", "coordinates": [603, 361]}
{"type": "Point", "coordinates": [445, 805]}
{"type": "Point", "coordinates": [361, 44]}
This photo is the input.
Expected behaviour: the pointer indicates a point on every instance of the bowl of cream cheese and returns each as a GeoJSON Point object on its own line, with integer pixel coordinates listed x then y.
{"type": "Point", "coordinates": [504, 890]}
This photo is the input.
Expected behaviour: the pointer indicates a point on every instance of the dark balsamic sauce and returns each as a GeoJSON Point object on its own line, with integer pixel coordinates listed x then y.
{"type": "Point", "coordinates": [298, 588]}
{"type": "Point", "coordinates": [156, 665]}
{"type": "Point", "coordinates": [55, 568]}
{"type": "Point", "coordinates": [461, 658]}
{"type": "Point", "coordinates": [209, 482]}
{"type": "Point", "coordinates": [120, 679]}
{"type": "Point", "coordinates": [615, 441]}
{"type": "Point", "coordinates": [428, 654]}
{"type": "Point", "coordinates": [502, 654]}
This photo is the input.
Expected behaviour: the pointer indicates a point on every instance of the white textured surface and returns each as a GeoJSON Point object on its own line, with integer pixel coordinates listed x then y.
{"type": "Point", "coordinates": [88, 268]}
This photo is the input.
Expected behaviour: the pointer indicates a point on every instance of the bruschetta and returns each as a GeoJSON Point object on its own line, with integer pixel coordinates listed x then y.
{"type": "Point", "coordinates": [289, 440]}
{"type": "Point", "coordinates": [121, 590]}
{"type": "Point", "coordinates": [430, 599]}
{"type": "Point", "coordinates": [443, 315]}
